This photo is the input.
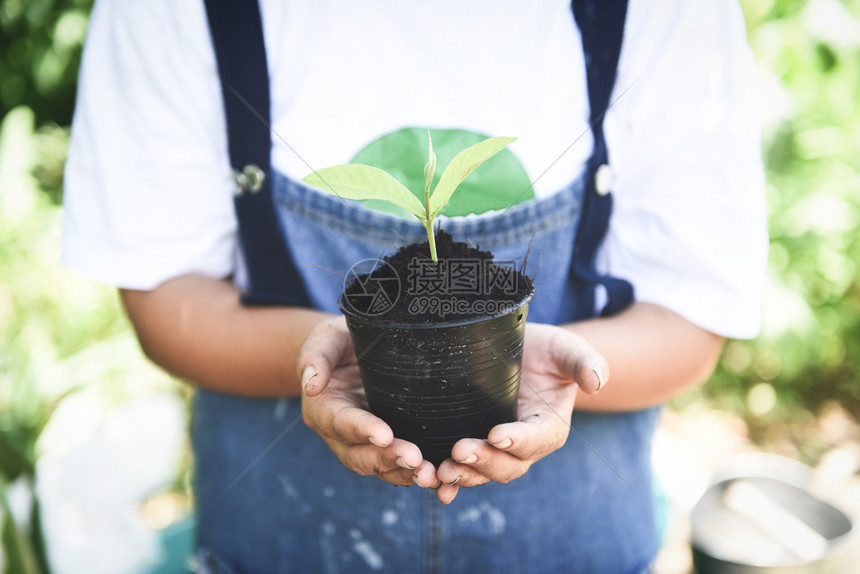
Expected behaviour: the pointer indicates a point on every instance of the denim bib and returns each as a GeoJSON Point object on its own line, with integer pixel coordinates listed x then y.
{"type": "Point", "coordinates": [273, 498]}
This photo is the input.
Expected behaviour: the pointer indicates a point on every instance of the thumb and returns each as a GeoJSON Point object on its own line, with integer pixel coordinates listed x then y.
{"type": "Point", "coordinates": [579, 361]}
{"type": "Point", "coordinates": [321, 353]}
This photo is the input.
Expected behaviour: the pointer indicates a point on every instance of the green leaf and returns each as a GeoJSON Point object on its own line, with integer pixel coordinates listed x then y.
{"type": "Point", "coordinates": [429, 169]}
{"type": "Point", "coordinates": [15, 453]}
{"type": "Point", "coordinates": [356, 181]}
{"type": "Point", "coordinates": [500, 182]}
{"type": "Point", "coordinates": [15, 545]}
{"type": "Point", "coordinates": [461, 166]}
{"type": "Point", "coordinates": [37, 538]}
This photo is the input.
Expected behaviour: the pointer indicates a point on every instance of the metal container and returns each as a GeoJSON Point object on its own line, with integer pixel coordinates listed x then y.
{"type": "Point", "coordinates": [759, 517]}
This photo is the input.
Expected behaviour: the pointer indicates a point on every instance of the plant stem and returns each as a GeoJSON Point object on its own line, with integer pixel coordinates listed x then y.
{"type": "Point", "coordinates": [429, 172]}
{"type": "Point", "coordinates": [431, 239]}
{"type": "Point", "coordinates": [427, 200]}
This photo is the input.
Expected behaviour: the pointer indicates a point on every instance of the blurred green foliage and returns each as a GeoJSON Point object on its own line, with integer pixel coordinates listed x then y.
{"type": "Point", "coordinates": [40, 52]}
{"type": "Point", "coordinates": [808, 55]}
{"type": "Point", "coordinates": [61, 337]}
{"type": "Point", "coordinates": [60, 334]}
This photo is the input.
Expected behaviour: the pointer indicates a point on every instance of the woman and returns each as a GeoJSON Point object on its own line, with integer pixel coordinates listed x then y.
{"type": "Point", "coordinates": [149, 210]}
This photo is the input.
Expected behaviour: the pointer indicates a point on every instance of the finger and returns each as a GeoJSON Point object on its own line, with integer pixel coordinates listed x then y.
{"type": "Point", "coordinates": [533, 438]}
{"type": "Point", "coordinates": [446, 493]}
{"type": "Point", "coordinates": [452, 473]}
{"type": "Point", "coordinates": [425, 476]}
{"type": "Point", "coordinates": [396, 462]}
{"type": "Point", "coordinates": [397, 477]}
{"type": "Point", "coordinates": [405, 455]}
{"type": "Point", "coordinates": [336, 416]}
{"type": "Point", "coordinates": [354, 425]}
{"type": "Point", "coordinates": [495, 464]}
{"type": "Point", "coordinates": [324, 349]}
{"type": "Point", "coordinates": [577, 360]}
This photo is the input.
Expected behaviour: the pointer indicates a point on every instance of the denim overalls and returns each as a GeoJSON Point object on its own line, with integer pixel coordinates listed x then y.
{"type": "Point", "coordinates": [271, 497]}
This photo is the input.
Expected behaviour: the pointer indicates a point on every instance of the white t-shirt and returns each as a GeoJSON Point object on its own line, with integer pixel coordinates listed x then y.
{"type": "Point", "coordinates": [148, 191]}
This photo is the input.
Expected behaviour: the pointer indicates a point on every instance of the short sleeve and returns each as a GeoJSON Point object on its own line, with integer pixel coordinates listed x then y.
{"type": "Point", "coordinates": [147, 185]}
{"type": "Point", "coordinates": [689, 223]}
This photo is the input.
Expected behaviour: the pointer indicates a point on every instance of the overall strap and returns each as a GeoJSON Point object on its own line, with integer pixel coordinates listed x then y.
{"type": "Point", "coordinates": [240, 52]}
{"type": "Point", "coordinates": [601, 26]}
{"type": "Point", "coordinates": [273, 279]}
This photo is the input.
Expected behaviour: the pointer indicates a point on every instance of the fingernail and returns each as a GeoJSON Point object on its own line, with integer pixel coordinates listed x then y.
{"type": "Point", "coordinates": [415, 479]}
{"type": "Point", "coordinates": [504, 443]}
{"type": "Point", "coordinates": [599, 374]}
{"type": "Point", "coordinates": [456, 481]}
{"type": "Point", "coordinates": [375, 442]}
{"type": "Point", "coordinates": [403, 464]}
{"type": "Point", "coordinates": [308, 374]}
{"type": "Point", "coordinates": [470, 459]}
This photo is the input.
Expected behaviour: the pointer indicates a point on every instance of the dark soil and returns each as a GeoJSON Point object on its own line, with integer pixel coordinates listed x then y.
{"type": "Point", "coordinates": [410, 288]}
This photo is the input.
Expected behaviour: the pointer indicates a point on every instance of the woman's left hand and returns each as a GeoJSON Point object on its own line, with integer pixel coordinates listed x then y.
{"type": "Point", "coordinates": [556, 363]}
{"type": "Point", "coordinates": [334, 406]}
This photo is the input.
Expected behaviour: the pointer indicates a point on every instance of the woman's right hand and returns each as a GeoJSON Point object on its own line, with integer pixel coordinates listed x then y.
{"type": "Point", "coordinates": [334, 406]}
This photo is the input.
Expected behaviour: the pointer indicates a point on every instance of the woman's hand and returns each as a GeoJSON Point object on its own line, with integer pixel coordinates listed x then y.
{"type": "Point", "coordinates": [556, 363]}
{"type": "Point", "coordinates": [335, 407]}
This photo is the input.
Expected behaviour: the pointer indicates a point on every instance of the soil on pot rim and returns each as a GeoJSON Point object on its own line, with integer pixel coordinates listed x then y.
{"type": "Point", "coordinates": [465, 284]}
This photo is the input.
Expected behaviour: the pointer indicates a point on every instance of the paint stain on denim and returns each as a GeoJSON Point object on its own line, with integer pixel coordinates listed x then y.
{"type": "Point", "coordinates": [366, 550]}
{"type": "Point", "coordinates": [327, 547]}
{"type": "Point", "coordinates": [389, 517]}
{"type": "Point", "coordinates": [292, 494]}
{"type": "Point", "coordinates": [281, 410]}
{"type": "Point", "coordinates": [484, 517]}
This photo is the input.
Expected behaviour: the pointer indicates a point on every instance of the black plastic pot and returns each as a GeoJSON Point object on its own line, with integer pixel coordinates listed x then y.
{"type": "Point", "coordinates": [437, 383]}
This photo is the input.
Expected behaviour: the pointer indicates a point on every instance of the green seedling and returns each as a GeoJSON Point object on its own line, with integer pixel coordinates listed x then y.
{"type": "Point", "coordinates": [356, 181]}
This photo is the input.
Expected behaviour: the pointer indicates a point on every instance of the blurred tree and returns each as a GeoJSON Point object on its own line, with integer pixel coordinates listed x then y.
{"type": "Point", "coordinates": [40, 53]}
